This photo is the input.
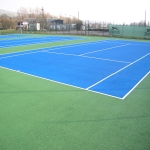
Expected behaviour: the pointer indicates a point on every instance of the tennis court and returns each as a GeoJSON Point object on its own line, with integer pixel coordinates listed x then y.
{"type": "Point", "coordinates": [19, 40]}
{"type": "Point", "coordinates": [74, 93]}
{"type": "Point", "coordinates": [110, 67]}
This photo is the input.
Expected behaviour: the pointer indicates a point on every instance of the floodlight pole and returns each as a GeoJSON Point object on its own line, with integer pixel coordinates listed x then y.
{"type": "Point", "coordinates": [70, 24]}
{"type": "Point", "coordinates": [42, 18]}
{"type": "Point", "coordinates": [88, 27]}
{"type": "Point", "coordinates": [85, 27]}
{"type": "Point", "coordinates": [78, 23]}
{"type": "Point", "coordinates": [20, 27]}
{"type": "Point", "coordinates": [145, 17]}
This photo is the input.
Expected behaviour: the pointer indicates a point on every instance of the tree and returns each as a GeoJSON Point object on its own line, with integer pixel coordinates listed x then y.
{"type": "Point", "coordinates": [79, 25]}
{"type": "Point", "coordinates": [7, 22]}
{"type": "Point", "coordinates": [22, 13]}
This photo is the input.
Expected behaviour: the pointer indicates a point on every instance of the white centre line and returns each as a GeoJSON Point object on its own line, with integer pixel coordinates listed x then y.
{"type": "Point", "coordinates": [119, 61]}
{"type": "Point", "coordinates": [116, 72]}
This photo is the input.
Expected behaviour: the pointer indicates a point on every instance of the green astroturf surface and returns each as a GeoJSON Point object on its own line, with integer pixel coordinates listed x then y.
{"type": "Point", "coordinates": [37, 114]}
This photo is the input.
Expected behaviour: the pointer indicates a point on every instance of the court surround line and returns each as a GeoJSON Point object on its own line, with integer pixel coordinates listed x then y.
{"type": "Point", "coordinates": [116, 72]}
{"type": "Point", "coordinates": [60, 83]}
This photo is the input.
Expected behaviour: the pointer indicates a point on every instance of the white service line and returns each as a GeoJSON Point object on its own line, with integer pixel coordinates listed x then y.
{"type": "Point", "coordinates": [59, 82]}
{"type": "Point", "coordinates": [88, 57]}
{"type": "Point", "coordinates": [104, 49]}
{"type": "Point", "coordinates": [74, 45]}
{"type": "Point", "coordinates": [60, 53]}
{"type": "Point", "coordinates": [136, 85]}
{"type": "Point", "coordinates": [116, 72]}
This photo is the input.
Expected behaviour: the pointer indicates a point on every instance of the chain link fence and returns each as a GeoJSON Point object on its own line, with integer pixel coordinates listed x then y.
{"type": "Point", "coordinates": [140, 31]}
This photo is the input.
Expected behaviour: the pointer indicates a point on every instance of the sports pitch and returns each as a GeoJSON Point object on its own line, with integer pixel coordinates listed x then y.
{"type": "Point", "coordinates": [74, 92]}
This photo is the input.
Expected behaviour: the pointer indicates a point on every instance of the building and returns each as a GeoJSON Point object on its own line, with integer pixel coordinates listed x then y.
{"type": "Point", "coordinates": [54, 21]}
{"type": "Point", "coordinates": [44, 24]}
{"type": "Point", "coordinates": [34, 27]}
{"type": "Point", "coordinates": [22, 25]}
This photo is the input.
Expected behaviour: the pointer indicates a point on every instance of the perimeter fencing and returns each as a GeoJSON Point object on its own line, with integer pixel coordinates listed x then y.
{"type": "Point", "coordinates": [142, 32]}
{"type": "Point", "coordinates": [99, 29]}
{"type": "Point", "coordinates": [90, 28]}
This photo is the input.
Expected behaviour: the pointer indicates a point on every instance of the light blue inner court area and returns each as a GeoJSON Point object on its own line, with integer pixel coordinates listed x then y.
{"type": "Point", "coordinates": [27, 40]}
{"type": "Point", "coordinates": [108, 67]}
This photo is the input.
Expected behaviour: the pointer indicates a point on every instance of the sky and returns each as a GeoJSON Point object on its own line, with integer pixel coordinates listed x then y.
{"type": "Point", "coordinates": [114, 11]}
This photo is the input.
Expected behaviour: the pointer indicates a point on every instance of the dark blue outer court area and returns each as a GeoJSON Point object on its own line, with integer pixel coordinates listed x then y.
{"type": "Point", "coordinates": [111, 68]}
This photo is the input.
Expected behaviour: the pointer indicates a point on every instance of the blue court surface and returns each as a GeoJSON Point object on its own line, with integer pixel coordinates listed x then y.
{"type": "Point", "coordinates": [19, 40]}
{"type": "Point", "coordinates": [111, 67]}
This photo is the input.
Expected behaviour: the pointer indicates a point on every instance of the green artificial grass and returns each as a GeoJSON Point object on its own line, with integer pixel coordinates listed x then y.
{"type": "Point", "coordinates": [40, 114]}
{"type": "Point", "coordinates": [37, 114]}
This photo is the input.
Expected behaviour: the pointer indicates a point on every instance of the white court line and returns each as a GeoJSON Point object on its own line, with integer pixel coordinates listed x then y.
{"type": "Point", "coordinates": [60, 82]}
{"type": "Point", "coordinates": [20, 54]}
{"type": "Point", "coordinates": [60, 53]}
{"type": "Point", "coordinates": [29, 39]}
{"type": "Point", "coordinates": [37, 43]}
{"type": "Point", "coordinates": [119, 61]}
{"type": "Point", "coordinates": [139, 45]}
{"type": "Point", "coordinates": [57, 47]}
{"type": "Point", "coordinates": [104, 49]}
{"type": "Point", "coordinates": [136, 85]}
{"type": "Point", "coordinates": [33, 43]}
{"type": "Point", "coordinates": [117, 72]}
{"type": "Point", "coordinates": [132, 43]}
{"type": "Point", "coordinates": [78, 44]}
{"type": "Point", "coordinates": [88, 57]}
{"type": "Point", "coordinates": [74, 45]}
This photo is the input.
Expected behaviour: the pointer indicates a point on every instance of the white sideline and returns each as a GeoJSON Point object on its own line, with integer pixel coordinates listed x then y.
{"type": "Point", "coordinates": [61, 83]}
{"type": "Point", "coordinates": [117, 72]}
{"type": "Point", "coordinates": [136, 85]}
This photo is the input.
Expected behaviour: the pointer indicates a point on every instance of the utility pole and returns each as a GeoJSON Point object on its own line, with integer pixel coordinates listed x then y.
{"type": "Point", "coordinates": [88, 27]}
{"type": "Point", "coordinates": [78, 23]}
{"type": "Point", "coordinates": [42, 19]}
{"type": "Point", "coordinates": [21, 27]}
{"type": "Point", "coordinates": [145, 17]}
